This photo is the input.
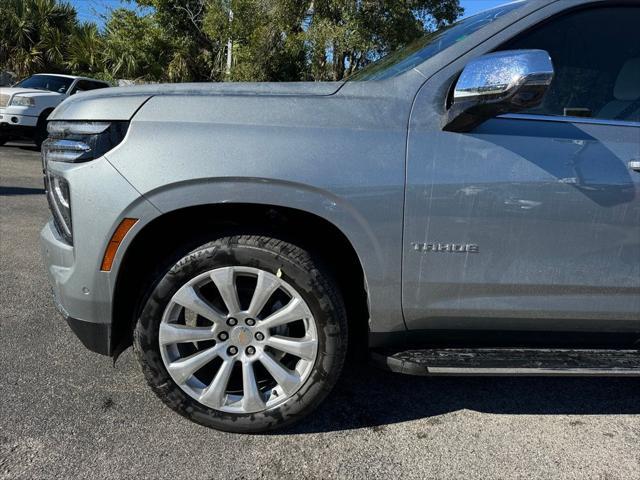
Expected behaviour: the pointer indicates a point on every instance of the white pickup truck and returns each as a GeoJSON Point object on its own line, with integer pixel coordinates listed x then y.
{"type": "Point", "coordinates": [24, 108]}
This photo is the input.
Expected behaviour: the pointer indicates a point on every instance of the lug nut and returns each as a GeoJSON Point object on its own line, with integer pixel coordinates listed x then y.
{"type": "Point", "coordinates": [250, 321]}
{"type": "Point", "coordinates": [250, 350]}
{"type": "Point", "coordinates": [222, 336]}
{"type": "Point", "coordinates": [232, 322]}
{"type": "Point", "coordinates": [259, 336]}
{"type": "Point", "coordinates": [232, 350]}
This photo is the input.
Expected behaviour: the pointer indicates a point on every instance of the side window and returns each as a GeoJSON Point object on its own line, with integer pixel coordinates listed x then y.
{"type": "Point", "coordinates": [596, 56]}
{"type": "Point", "coordinates": [86, 85]}
{"type": "Point", "coordinates": [81, 86]}
{"type": "Point", "coordinates": [97, 85]}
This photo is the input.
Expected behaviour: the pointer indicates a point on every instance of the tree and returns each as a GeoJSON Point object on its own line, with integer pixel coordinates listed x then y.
{"type": "Point", "coordinates": [214, 40]}
{"type": "Point", "coordinates": [135, 46]}
{"type": "Point", "coordinates": [194, 55]}
{"type": "Point", "coordinates": [346, 35]}
{"type": "Point", "coordinates": [316, 39]}
{"type": "Point", "coordinates": [34, 34]}
{"type": "Point", "coordinates": [85, 50]}
{"type": "Point", "coordinates": [266, 38]}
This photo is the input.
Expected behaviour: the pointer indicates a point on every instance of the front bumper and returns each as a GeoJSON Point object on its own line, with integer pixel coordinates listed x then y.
{"type": "Point", "coordinates": [59, 258]}
{"type": "Point", "coordinates": [100, 198]}
{"type": "Point", "coordinates": [13, 122]}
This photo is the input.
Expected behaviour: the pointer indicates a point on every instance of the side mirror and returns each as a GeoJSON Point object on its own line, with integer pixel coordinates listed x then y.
{"type": "Point", "coordinates": [499, 83]}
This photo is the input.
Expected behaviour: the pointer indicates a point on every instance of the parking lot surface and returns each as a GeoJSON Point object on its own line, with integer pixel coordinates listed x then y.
{"type": "Point", "coordinates": [68, 413]}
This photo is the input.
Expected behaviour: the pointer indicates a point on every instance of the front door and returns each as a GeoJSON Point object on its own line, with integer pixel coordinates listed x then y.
{"type": "Point", "coordinates": [532, 221]}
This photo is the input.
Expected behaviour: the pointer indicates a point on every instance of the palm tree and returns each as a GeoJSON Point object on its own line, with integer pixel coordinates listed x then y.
{"type": "Point", "coordinates": [85, 49]}
{"type": "Point", "coordinates": [33, 34]}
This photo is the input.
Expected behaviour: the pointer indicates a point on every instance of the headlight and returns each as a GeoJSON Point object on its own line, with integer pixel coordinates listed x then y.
{"type": "Point", "coordinates": [75, 142]}
{"type": "Point", "coordinates": [22, 101]}
{"type": "Point", "coordinates": [59, 199]}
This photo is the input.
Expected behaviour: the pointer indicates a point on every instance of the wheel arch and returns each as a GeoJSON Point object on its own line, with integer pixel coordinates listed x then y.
{"type": "Point", "coordinates": [175, 233]}
{"type": "Point", "coordinates": [40, 133]}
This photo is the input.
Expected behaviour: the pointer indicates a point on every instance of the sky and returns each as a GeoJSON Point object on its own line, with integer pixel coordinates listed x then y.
{"type": "Point", "coordinates": [89, 10]}
{"type": "Point", "coordinates": [471, 7]}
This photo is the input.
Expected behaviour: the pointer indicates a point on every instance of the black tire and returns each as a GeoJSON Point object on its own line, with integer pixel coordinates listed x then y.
{"type": "Point", "coordinates": [41, 133]}
{"type": "Point", "coordinates": [3, 140]}
{"type": "Point", "coordinates": [295, 266]}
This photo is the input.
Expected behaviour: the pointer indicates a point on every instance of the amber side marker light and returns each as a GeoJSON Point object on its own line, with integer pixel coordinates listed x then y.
{"type": "Point", "coordinates": [114, 243]}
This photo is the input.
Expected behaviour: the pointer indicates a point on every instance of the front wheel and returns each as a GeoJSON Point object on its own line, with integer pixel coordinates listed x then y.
{"type": "Point", "coordinates": [244, 334]}
{"type": "Point", "coordinates": [41, 133]}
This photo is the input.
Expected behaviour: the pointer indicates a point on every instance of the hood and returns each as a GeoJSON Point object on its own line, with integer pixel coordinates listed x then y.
{"type": "Point", "coordinates": [6, 94]}
{"type": "Point", "coordinates": [31, 91]}
{"type": "Point", "coordinates": [121, 103]}
{"type": "Point", "coordinates": [223, 88]}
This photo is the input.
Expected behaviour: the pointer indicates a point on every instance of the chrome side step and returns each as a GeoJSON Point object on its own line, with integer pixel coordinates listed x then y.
{"type": "Point", "coordinates": [512, 362]}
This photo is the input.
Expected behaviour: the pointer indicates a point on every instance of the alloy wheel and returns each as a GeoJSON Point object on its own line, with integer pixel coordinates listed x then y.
{"type": "Point", "coordinates": [238, 339]}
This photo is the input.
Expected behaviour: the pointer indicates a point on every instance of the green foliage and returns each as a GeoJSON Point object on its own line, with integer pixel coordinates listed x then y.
{"type": "Point", "coordinates": [85, 50]}
{"type": "Point", "coordinates": [346, 35]}
{"type": "Point", "coordinates": [33, 35]}
{"type": "Point", "coordinates": [213, 40]}
{"type": "Point", "coordinates": [266, 39]}
{"type": "Point", "coordinates": [134, 46]}
{"type": "Point", "coordinates": [193, 53]}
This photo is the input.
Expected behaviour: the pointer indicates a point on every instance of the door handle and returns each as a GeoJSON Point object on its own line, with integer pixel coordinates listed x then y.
{"type": "Point", "coordinates": [634, 165]}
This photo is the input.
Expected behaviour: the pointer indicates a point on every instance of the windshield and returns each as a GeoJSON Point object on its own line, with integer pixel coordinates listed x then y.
{"type": "Point", "coordinates": [46, 82]}
{"type": "Point", "coordinates": [426, 47]}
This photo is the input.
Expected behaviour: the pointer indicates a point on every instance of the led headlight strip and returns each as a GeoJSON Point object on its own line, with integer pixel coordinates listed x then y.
{"type": "Point", "coordinates": [74, 142]}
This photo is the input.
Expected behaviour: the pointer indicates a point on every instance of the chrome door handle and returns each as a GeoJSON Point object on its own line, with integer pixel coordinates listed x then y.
{"type": "Point", "coordinates": [634, 165]}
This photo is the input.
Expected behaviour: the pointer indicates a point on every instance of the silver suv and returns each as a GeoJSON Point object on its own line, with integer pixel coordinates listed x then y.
{"type": "Point", "coordinates": [468, 205]}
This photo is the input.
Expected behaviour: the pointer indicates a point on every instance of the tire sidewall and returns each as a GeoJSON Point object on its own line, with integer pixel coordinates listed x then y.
{"type": "Point", "coordinates": [309, 283]}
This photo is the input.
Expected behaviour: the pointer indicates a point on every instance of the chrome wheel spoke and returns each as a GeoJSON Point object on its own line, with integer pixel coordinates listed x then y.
{"type": "Point", "coordinates": [224, 279]}
{"type": "Point", "coordinates": [215, 393]}
{"type": "Point", "coordinates": [292, 311]}
{"type": "Point", "coordinates": [174, 333]}
{"type": "Point", "coordinates": [188, 298]}
{"type": "Point", "coordinates": [284, 377]}
{"type": "Point", "coordinates": [266, 285]}
{"type": "Point", "coordinates": [181, 370]}
{"type": "Point", "coordinates": [300, 347]}
{"type": "Point", "coordinates": [251, 400]}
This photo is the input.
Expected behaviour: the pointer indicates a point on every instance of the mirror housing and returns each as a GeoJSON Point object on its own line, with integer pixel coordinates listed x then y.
{"type": "Point", "coordinates": [499, 83]}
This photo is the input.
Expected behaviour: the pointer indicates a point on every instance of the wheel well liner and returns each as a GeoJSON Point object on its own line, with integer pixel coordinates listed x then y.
{"type": "Point", "coordinates": [45, 114]}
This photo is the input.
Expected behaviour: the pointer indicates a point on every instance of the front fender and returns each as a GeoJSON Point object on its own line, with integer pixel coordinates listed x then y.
{"type": "Point", "coordinates": [341, 158]}
{"type": "Point", "coordinates": [380, 275]}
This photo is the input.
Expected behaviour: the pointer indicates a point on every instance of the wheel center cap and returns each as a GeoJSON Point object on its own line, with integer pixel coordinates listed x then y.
{"type": "Point", "coordinates": [241, 336]}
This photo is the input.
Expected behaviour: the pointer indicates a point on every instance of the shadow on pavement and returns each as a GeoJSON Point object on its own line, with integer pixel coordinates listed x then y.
{"type": "Point", "coordinates": [12, 191]}
{"type": "Point", "coordinates": [370, 398]}
{"type": "Point", "coordinates": [22, 146]}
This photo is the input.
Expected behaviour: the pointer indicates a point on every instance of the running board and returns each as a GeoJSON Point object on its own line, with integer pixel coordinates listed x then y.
{"type": "Point", "coordinates": [512, 362]}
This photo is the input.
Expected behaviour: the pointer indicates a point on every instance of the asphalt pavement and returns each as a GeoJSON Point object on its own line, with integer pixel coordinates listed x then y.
{"type": "Point", "coordinates": [68, 413]}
